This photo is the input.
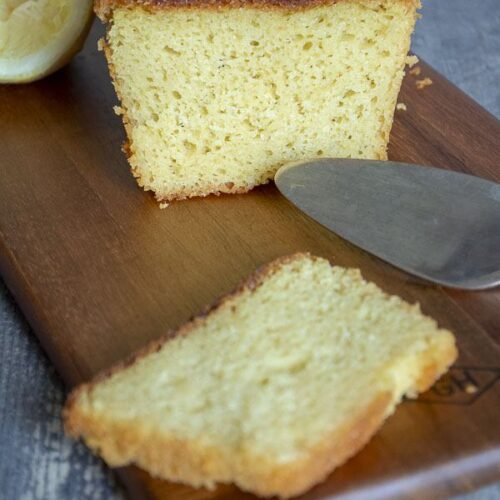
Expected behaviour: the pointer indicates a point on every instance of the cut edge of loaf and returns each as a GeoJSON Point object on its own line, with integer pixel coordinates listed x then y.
{"type": "Point", "coordinates": [187, 461]}
{"type": "Point", "coordinates": [104, 9]}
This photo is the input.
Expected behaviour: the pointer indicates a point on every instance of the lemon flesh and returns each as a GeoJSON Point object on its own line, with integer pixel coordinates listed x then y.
{"type": "Point", "coordinates": [37, 37]}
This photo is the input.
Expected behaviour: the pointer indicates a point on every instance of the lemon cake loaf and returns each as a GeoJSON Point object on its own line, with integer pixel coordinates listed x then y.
{"type": "Point", "coordinates": [217, 94]}
{"type": "Point", "coordinates": [273, 388]}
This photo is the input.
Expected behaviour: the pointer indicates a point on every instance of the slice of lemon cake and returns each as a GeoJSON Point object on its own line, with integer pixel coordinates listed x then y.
{"type": "Point", "coordinates": [217, 94]}
{"type": "Point", "coordinates": [277, 385]}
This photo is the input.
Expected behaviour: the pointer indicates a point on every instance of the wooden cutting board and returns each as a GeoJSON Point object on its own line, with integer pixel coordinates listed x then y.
{"type": "Point", "coordinates": [99, 269]}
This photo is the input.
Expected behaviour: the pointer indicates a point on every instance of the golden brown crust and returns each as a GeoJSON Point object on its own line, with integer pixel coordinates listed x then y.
{"type": "Point", "coordinates": [191, 462]}
{"type": "Point", "coordinates": [104, 8]}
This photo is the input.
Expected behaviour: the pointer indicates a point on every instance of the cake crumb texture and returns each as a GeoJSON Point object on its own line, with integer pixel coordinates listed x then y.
{"type": "Point", "coordinates": [272, 389]}
{"type": "Point", "coordinates": [416, 71]}
{"type": "Point", "coordinates": [216, 100]}
{"type": "Point", "coordinates": [424, 82]}
{"type": "Point", "coordinates": [412, 60]}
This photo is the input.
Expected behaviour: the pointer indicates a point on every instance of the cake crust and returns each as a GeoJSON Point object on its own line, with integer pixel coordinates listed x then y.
{"type": "Point", "coordinates": [104, 8]}
{"type": "Point", "coordinates": [188, 461]}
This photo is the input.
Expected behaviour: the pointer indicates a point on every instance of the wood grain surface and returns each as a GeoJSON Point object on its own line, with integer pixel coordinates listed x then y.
{"type": "Point", "coordinates": [99, 270]}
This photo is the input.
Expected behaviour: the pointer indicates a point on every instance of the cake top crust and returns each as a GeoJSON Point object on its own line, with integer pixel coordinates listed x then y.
{"type": "Point", "coordinates": [104, 8]}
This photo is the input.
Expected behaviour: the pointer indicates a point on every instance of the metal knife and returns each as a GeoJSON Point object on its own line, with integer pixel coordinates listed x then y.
{"type": "Point", "coordinates": [436, 224]}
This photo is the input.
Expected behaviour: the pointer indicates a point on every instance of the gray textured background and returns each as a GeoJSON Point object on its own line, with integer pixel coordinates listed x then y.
{"type": "Point", "coordinates": [460, 38]}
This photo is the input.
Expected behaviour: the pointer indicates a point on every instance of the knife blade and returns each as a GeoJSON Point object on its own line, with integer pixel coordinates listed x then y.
{"type": "Point", "coordinates": [436, 224]}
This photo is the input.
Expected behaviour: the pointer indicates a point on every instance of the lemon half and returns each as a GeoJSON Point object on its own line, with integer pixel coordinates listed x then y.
{"type": "Point", "coordinates": [38, 37]}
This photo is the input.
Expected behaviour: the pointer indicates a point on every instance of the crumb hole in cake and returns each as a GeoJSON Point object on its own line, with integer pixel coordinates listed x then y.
{"type": "Point", "coordinates": [298, 367]}
{"type": "Point", "coordinates": [190, 147]}
{"type": "Point", "coordinates": [320, 152]}
{"type": "Point", "coordinates": [254, 43]}
{"type": "Point", "coordinates": [347, 37]}
{"type": "Point", "coordinates": [307, 46]}
{"type": "Point", "coordinates": [170, 50]}
{"type": "Point", "coordinates": [176, 94]}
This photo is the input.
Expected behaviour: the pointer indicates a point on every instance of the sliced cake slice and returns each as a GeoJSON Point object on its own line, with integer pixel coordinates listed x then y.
{"type": "Point", "coordinates": [276, 386]}
{"type": "Point", "coordinates": [216, 95]}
